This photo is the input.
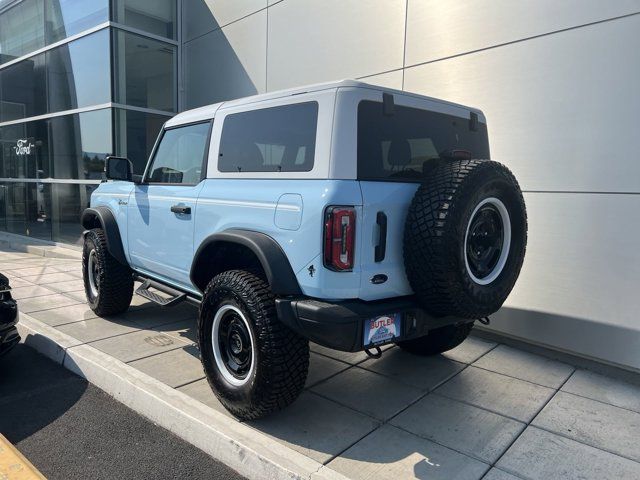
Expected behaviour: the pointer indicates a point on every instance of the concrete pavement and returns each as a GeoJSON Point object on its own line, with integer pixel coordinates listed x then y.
{"type": "Point", "coordinates": [483, 410]}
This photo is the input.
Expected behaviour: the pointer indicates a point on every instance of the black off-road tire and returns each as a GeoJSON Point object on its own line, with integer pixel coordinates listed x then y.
{"type": "Point", "coordinates": [438, 340]}
{"type": "Point", "coordinates": [281, 356]}
{"type": "Point", "coordinates": [115, 280]}
{"type": "Point", "coordinates": [435, 255]}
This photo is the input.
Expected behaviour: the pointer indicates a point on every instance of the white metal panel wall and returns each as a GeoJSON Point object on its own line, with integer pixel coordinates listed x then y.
{"type": "Point", "coordinates": [227, 63]}
{"type": "Point", "coordinates": [561, 107]}
{"type": "Point", "coordinates": [203, 16]}
{"type": "Point", "coordinates": [319, 40]}
{"type": "Point", "coordinates": [437, 29]}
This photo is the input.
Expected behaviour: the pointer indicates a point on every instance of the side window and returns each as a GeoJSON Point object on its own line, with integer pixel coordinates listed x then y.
{"type": "Point", "coordinates": [276, 139]}
{"type": "Point", "coordinates": [180, 155]}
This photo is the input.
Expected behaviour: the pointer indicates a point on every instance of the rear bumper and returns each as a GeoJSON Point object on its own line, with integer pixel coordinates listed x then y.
{"type": "Point", "coordinates": [340, 325]}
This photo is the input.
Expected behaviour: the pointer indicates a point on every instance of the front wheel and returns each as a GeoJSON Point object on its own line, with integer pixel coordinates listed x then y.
{"type": "Point", "coordinates": [254, 363]}
{"type": "Point", "coordinates": [108, 284]}
{"type": "Point", "coordinates": [438, 340]}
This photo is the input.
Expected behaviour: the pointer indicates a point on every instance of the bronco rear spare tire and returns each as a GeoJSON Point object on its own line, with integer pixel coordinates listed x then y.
{"type": "Point", "coordinates": [465, 238]}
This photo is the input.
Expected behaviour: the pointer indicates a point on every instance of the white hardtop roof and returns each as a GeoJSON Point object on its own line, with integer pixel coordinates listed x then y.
{"type": "Point", "coordinates": [209, 111]}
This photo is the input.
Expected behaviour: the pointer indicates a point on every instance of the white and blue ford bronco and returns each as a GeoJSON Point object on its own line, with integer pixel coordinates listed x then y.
{"type": "Point", "coordinates": [345, 214]}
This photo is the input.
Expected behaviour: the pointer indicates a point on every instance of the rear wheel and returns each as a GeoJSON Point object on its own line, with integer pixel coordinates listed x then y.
{"type": "Point", "coordinates": [254, 363]}
{"type": "Point", "coordinates": [438, 340]}
{"type": "Point", "coordinates": [108, 284]}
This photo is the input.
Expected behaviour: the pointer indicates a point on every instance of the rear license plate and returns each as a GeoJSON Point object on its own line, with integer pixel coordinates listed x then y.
{"type": "Point", "coordinates": [382, 329]}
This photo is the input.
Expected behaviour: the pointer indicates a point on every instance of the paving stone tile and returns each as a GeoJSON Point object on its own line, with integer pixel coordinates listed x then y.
{"type": "Point", "coordinates": [350, 357]}
{"type": "Point", "coordinates": [20, 293]}
{"type": "Point", "coordinates": [474, 431]}
{"type": "Point", "coordinates": [321, 368]}
{"type": "Point", "coordinates": [10, 256]}
{"type": "Point", "coordinates": [497, 474]}
{"type": "Point", "coordinates": [14, 267]}
{"type": "Point", "coordinates": [369, 392]}
{"type": "Point", "coordinates": [46, 302]}
{"type": "Point", "coordinates": [526, 366]}
{"type": "Point", "coordinates": [498, 393]}
{"type": "Point", "coordinates": [597, 424]}
{"type": "Point", "coordinates": [74, 273]}
{"type": "Point", "coordinates": [316, 427]}
{"type": "Point", "coordinates": [46, 278]}
{"type": "Point", "coordinates": [77, 295]}
{"type": "Point", "coordinates": [16, 282]}
{"type": "Point", "coordinates": [201, 391]}
{"type": "Point", "coordinates": [605, 389]}
{"type": "Point", "coordinates": [541, 455]}
{"type": "Point", "coordinates": [425, 373]}
{"type": "Point", "coordinates": [30, 271]}
{"type": "Point", "coordinates": [62, 315]}
{"type": "Point", "coordinates": [155, 316]}
{"type": "Point", "coordinates": [137, 345]}
{"type": "Point", "coordinates": [73, 266]}
{"type": "Point", "coordinates": [470, 350]}
{"type": "Point", "coordinates": [392, 454]}
{"type": "Point", "coordinates": [75, 285]}
{"type": "Point", "coordinates": [174, 368]}
{"type": "Point", "coordinates": [98, 328]}
{"type": "Point", "coordinates": [183, 329]}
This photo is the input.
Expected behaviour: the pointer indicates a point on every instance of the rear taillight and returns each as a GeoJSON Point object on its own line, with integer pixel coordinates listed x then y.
{"type": "Point", "coordinates": [339, 238]}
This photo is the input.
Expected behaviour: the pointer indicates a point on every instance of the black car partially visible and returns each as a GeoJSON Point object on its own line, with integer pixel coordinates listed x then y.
{"type": "Point", "coordinates": [8, 317]}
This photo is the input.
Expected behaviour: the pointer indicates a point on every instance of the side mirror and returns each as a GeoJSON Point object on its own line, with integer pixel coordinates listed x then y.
{"type": "Point", "coordinates": [118, 168]}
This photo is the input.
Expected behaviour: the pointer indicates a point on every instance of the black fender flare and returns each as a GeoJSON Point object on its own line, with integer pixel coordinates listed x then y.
{"type": "Point", "coordinates": [103, 217]}
{"type": "Point", "coordinates": [274, 261]}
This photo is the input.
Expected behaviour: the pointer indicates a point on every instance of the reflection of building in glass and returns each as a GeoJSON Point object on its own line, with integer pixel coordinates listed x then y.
{"type": "Point", "coordinates": [77, 88]}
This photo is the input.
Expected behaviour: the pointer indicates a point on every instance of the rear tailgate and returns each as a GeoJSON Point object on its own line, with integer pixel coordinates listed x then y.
{"type": "Point", "coordinates": [391, 200]}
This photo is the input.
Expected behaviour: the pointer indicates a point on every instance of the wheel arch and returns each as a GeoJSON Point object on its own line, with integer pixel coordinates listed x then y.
{"type": "Point", "coordinates": [102, 217]}
{"type": "Point", "coordinates": [214, 256]}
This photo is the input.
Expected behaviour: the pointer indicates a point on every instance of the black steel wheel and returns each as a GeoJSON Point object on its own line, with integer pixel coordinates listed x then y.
{"type": "Point", "coordinates": [254, 363]}
{"type": "Point", "coordinates": [108, 284]}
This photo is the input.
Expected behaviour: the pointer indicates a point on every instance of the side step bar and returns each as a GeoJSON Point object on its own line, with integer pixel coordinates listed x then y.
{"type": "Point", "coordinates": [175, 298]}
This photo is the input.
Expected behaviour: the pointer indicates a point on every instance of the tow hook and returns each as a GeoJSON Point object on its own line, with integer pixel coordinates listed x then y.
{"type": "Point", "coordinates": [485, 320]}
{"type": "Point", "coordinates": [373, 353]}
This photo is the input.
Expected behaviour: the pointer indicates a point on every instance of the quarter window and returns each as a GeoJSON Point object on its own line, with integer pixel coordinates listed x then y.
{"type": "Point", "coordinates": [276, 139]}
{"type": "Point", "coordinates": [180, 156]}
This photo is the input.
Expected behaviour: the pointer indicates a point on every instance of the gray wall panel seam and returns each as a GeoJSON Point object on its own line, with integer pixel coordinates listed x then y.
{"type": "Point", "coordinates": [521, 40]}
{"type": "Point", "coordinates": [266, 54]}
{"type": "Point", "coordinates": [404, 44]}
{"type": "Point", "coordinates": [221, 27]}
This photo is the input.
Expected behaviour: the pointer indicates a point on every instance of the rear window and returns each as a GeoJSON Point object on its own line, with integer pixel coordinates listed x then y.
{"type": "Point", "coordinates": [397, 147]}
{"type": "Point", "coordinates": [276, 139]}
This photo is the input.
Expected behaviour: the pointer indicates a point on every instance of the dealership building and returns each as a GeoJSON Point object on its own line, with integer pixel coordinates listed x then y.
{"type": "Point", "coordinates": [557, 81]}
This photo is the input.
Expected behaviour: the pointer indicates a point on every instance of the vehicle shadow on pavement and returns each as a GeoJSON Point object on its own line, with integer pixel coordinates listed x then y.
{"type": "Point", "coordinates": [34, 392]}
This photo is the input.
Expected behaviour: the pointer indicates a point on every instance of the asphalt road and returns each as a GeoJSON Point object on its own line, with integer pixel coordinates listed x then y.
{"type": "Point", "coordinates": [69, 429]}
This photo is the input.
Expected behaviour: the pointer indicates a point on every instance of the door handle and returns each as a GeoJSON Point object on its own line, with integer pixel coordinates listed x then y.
{"type": "Point", "coordinates": [381, 248]}
{"type": "Point", "coordinates": [181, 209]}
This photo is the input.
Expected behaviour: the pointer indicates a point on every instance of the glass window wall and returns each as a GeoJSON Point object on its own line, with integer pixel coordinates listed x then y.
{"type": "Point", "coordinates": [145, 72]}
{"type": "Point", "coordinates": [136, 133]}
{"type": "Point", "coordinates": [70, 76]}
{"type": "Point", "coordinates": [33, 24]}
{"type": "Point", "coordinates": [65, 147]}
{"type": "Point", "coordinates": [157, 17]}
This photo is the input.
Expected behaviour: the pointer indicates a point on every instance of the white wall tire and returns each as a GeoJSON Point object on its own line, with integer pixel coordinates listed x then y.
{"type": "Point", "coordinates": [505, 243]}
{"type": "Point", "coordinates": [224, 358]}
